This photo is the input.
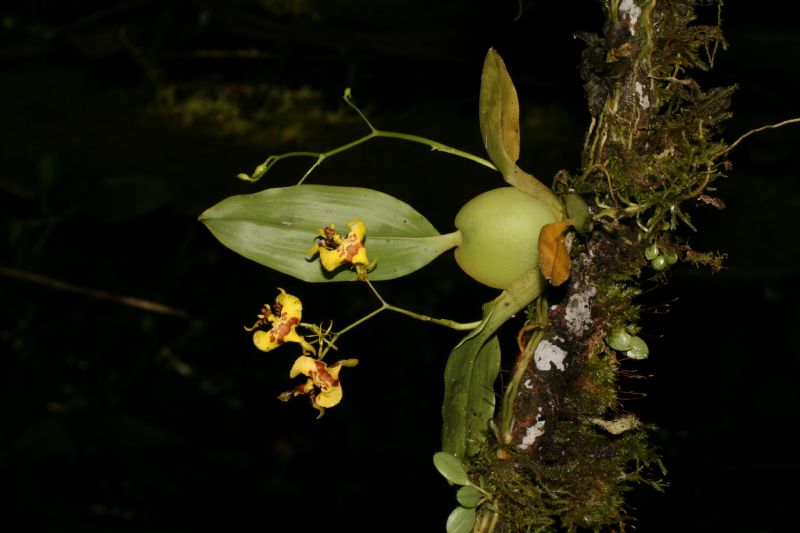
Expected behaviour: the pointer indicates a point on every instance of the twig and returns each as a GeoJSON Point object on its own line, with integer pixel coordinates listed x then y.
{"type": "Point", "coordinates": [147, 305]}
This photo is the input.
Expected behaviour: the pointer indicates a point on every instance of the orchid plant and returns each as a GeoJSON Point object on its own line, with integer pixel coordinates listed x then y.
{"type": "Point", "coordinates": [510, 238]}
{"type": "Point", "coordinates": [518, 239]}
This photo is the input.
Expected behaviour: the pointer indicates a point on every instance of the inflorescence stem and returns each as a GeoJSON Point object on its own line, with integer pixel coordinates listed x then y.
{"type": "Point", "coordinates": [374, 132]}
{"type": "Point", "coordinates": [385, 306]}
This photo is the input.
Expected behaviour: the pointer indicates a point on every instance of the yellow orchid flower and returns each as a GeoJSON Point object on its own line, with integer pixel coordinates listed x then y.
{"type": "Point", "coordinates": [320, 377]}
{"type": "Point", "coordinates": [284, 316]}
{"type": "Point", "coordinates": [334, 251]}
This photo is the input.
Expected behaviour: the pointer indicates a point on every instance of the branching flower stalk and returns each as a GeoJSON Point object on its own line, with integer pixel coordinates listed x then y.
{"type": "Point", "coordinates": [264, 167]}
{"type": "Point", "coordinates": [277, 325]}
{"type": "Point", "coordinates": [385, 306]}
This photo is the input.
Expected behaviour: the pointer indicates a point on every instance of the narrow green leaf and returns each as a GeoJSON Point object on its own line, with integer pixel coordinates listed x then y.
{"type": "Point", "coordinates": [461, 520]}
{"type": "Point", "coordinates": [468, 496]}
{"type": "Point", "coordinates": [451, 468]}
{"type": "Point", "coordinates": [472, 369]}
{"type": "Point", "coordinates": [469, 394]}
{"type": "Point", "coordinates": [499, 113]}
{"type": "Point", "coordinates": [277, 226]}
{"type": "Point", "coordinates": [499, 122]}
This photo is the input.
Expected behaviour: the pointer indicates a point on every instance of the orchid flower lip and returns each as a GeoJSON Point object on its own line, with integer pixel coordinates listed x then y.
{"type": "Point", "coordinates": [322, 386]}
{"type": "Point", "coordinates": [335, 250]}
{"type": "Point", "coordinates": [282, 317]}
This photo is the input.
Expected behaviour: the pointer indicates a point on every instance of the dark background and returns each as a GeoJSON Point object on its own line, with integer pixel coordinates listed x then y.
{"type": "Point", "coordinates": [122, 121]}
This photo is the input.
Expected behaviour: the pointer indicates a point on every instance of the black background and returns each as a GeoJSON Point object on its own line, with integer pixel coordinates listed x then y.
{"type": "Point", "coordinates": [116, 419]}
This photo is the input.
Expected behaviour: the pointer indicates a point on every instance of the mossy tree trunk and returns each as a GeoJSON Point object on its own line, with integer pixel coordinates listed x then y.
{"type": "Point", "coordinates": [650, 153]}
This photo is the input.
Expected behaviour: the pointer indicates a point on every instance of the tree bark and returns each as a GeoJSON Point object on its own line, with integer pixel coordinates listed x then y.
{"type": "Point", "coordinates": [650, 151]}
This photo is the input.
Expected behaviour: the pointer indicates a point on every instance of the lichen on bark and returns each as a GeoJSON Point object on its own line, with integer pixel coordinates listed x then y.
{"type": "Point", "coordinates": [651, 153]}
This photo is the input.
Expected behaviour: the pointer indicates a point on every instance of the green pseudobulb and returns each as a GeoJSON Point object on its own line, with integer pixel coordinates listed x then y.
{"type": "Point", "coordinates": [499, 235]}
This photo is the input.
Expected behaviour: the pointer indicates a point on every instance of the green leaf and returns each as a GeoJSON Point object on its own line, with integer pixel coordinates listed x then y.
{"type": "Point", "coordinates": [469, 496]}
{"type": "Point", "coordinates": [277, 226]}
{"type": "Point", "coordinates": [461, 520]}
{"type": "Point", "coordinates": [469, 394]}
{"type": "Point", "coordinates": [472, 369]}
{"type": "Point", "coordinates": [451, 468]}
{"type": "Point", "coordinates": [499, 114]}
{"type": "Point", "coordinates": [638, 349]}
{"type": "Point", "coordinates": [577, 210]}
{"type": "Point", "coordinates": [499, 122]}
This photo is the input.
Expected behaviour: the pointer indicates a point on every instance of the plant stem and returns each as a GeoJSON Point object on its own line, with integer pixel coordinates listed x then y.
{"type": "Point", "coordinates": [452, 324]}
{"type": "Point", "coordinates": [332, 341]}
{"type": "Point", "coordinates": [385, 306]}
{"type": "Point", "coordinates": [524, 359]}
{"type": "Point", "coordinates": [374, 132]}
{"type": "Point", "coordinates": [436, 146]}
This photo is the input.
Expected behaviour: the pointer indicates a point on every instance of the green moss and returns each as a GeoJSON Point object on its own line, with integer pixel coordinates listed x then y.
{"type": "Point", "coordinates": [617, 301]}
{"type": "Point", "coordinates": [583, 489]}
{"type": "Point", "coordinates": [653, 146]}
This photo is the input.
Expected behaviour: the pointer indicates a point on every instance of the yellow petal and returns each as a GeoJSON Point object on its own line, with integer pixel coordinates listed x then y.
{"type": "Point", "coordinates": [304, 365]}
{"type": "Point", "coordinates": [264, 341]}
{"type": "Point", "coordinates": [329, 397]}
{"type": "Point", "coordinates": [330, 259]}
{"type": "Point", "coordinates": [336, 367]}
{"type": "Point", "coordinates": [293, 336]}
{"type": "Point", "coordinates": [357, 229]}
{"type": "Point", "coordinates": [361, 257]}
{"type": "Point", "coordinates": [290, 304]}
{"type": "Point", "coordinates": [311, 252]}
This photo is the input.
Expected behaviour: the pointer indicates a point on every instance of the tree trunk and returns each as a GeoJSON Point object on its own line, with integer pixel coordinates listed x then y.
{"type": "Point", "coordinates": [650, 150]}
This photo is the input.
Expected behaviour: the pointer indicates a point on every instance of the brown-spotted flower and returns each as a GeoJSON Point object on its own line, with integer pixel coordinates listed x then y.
{"type": "Point", "coordinates": [322, 384]}
{"type": "Point", "coordinates": [283, 316]}
{"type": "Point", "coordinates": [335, 250]}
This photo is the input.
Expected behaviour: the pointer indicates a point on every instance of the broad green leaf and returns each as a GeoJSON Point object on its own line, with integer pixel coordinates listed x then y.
{"type": "Point", "coordinates": [472, 369]}
{"type": "Point", "coordinates": [277, 226]}
{"type": "Point", "coordinates": [461, 520]}
{"type": "Point", "coordinates": [499, 113]}
{"type": "Point", "coordinates": [468, 496]}
{"type": "Point", "coordinates": [451, 468]}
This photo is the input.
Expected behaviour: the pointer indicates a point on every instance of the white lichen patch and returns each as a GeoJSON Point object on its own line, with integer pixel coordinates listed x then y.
{"type": "Point", "coordinates": [629, 7]}
{"type": "Point", "coordinates": [578, 313]}
{"type": "Point", "coordinates": [548, 354]}
{"type": "Point", "coordinates": [533, 432]}
{"type": "Point", "coordinates": [644, 100]}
